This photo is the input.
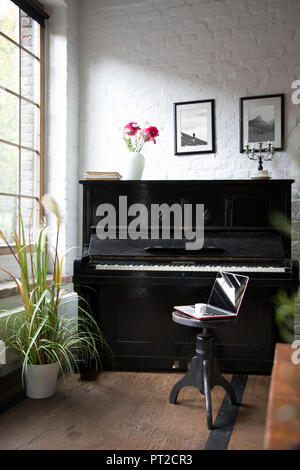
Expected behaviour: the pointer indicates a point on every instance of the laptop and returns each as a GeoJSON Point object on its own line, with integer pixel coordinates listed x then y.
{"type": "Point", "coordinates": [225, 298]}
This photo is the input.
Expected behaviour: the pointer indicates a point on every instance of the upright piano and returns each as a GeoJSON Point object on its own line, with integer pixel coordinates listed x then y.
{"type": "Point", "coordinates": [132, 285]}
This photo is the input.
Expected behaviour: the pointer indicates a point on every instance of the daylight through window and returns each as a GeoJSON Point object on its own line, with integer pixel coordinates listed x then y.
{"type": "Point", "coordinates": [21, 98]}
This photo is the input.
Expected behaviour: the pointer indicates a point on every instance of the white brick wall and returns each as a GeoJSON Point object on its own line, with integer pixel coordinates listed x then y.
{"type": "Point", "coordinates": [139, 57]}
{"type": "Point", "coordinates": [62, 88]}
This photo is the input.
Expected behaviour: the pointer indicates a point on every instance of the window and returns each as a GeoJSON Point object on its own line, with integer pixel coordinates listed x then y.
{"type": "Point", "coordinates": [21, 118]}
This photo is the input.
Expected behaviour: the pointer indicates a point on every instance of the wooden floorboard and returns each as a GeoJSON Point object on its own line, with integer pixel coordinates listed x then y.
{"type": "Point", "coordinates": [248, 432]}
{"type": "Point", "coordinates": [125, 411]}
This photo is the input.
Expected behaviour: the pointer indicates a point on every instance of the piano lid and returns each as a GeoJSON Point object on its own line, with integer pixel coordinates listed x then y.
{"type": "Point", "coordinates": [221, 245]}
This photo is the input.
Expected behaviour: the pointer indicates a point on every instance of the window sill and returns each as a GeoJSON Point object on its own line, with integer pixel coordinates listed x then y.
{"type": "Point", "coordinates": [8, 288]}
{"type": "Point", "coordinates": [4, 250]}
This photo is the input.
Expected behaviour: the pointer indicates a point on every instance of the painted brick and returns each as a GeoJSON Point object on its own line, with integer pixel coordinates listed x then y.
{"type": "Point", "coordinates": [287, 16]}
{"type": "Point", "coordinates": [258, 6]}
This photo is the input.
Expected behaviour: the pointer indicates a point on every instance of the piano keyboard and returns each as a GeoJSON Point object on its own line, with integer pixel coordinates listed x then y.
{"type": "Point", "coordinates": [187, 268]}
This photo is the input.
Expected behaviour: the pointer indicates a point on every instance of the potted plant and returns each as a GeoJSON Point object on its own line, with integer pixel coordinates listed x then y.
{"type": "Point", "coordinates": [46, 339]}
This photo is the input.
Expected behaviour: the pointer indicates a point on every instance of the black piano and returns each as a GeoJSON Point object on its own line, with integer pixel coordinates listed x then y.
{"type": "Point", "coordinates": [132, 285]}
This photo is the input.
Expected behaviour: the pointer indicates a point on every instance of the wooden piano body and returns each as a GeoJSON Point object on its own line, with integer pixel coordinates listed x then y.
{"type": "Point", "coordinates": [133, 305]}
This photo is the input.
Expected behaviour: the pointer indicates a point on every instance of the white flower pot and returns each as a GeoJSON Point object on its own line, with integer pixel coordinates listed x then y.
{"type": "Point", "coordinates": [133, 166]}
{"type": "Point", "coordinates": [41, 380]}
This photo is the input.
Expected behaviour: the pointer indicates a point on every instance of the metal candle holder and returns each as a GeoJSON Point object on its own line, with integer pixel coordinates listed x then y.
{"type": "Point", "coordinates": [262, 155]}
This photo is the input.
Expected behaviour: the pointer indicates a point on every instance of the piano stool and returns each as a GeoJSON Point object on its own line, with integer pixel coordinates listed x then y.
{"type": "Point", "coordinates": [204, 371]}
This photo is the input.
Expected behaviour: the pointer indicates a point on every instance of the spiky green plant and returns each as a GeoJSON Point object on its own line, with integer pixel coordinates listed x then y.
{"type": "Point", "coordinates": [283, 302]}
{"type": "Point", "coordinates": [284, 314]}
{"type": "Point", "coordinates": [43, 335]}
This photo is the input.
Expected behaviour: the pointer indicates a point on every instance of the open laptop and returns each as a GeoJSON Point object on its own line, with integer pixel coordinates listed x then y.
{"type": "Point", "coordinates": [225, 298]}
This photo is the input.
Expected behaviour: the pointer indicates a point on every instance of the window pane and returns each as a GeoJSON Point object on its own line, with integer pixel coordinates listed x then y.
{"type": "Point", "coordinates": [19, 119]}
{"type": "Point", "coordinates": [9, 65]}
{"type": "Point", "coordinates": [9, 19]}
{"type": "Point", "coordinates": [30, 34]}
{"type": "Point", "coordinates": [9, 167]}
{"type": "Point", "coordinates": [8, 215]}
{"type": "Point", "coordinates": [29, 125]}
{"type": "Point", "coordinates": [29, 175]}
{"type": "Point", "coordinates": [30, 73]}
{"type": "Point", "coordinates": [9, 116]}
{"type": "Point", "coordinates": [29, 211]}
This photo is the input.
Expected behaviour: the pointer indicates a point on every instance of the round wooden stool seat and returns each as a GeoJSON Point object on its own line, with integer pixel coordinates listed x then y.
{"type": "Point", "coordinates": [186, 320]}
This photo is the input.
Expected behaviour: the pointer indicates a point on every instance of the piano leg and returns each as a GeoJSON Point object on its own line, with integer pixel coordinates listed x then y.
{"type": "Point", "coordinates": [87, 372]}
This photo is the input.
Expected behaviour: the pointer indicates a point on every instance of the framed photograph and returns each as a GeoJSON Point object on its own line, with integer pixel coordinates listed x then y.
{"type": "Point", "coordinates": [262, 121]}
{"type": "Point", "coordinates": [194, 127]}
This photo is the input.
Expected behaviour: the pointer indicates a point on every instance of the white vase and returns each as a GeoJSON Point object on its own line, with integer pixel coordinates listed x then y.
{"type": "Point", "coordinates": [133, 166]}
{"type": "Point", "coordinates": [41, 380]}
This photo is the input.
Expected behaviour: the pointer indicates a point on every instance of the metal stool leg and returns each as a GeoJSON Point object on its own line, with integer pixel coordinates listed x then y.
{"type": "Point", "coordinates": [206, 377]}
{"type": "Point", "coordinates": [220, 380]}
{"type": "Point", "coordinates": [193, 377]}
{"type": "Point", "coordinates": [204, 374]}
{"type": "Point", "coordinates": [199, 375]}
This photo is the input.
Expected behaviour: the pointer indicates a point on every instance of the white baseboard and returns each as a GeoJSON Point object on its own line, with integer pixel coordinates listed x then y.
{"type": "Point", "coordinates": [2, 352]}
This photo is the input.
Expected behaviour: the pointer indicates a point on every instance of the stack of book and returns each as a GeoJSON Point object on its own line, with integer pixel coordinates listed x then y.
{"type": "Point", "coordinates": [102, 175]}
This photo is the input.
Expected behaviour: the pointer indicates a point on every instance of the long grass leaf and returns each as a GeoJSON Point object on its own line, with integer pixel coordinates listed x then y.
{"type": "Point", "coordinates": [45, 249]}
{"type": "Point", "coordinates": [31, 249]}
{"type": "Point", "coordinates": [39, 279]}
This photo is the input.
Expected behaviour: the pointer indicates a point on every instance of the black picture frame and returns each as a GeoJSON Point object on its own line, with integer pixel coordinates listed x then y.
{"type": "Point", "coordinates": [261, 129]}
{"type": "Point", "coordinates": [185, 143]}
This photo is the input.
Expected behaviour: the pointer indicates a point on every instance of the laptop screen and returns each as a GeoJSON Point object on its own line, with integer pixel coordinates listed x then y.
{"type": "Point", "coordinates": [228, 291]}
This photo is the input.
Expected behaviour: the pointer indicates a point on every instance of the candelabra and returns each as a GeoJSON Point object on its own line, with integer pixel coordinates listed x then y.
{"type": "Point", "coordinates": [261, 155]}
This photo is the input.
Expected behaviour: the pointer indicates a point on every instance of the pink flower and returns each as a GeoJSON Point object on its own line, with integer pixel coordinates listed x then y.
{"type": "Point", "coordinates": [153, 131]}
{"type": "Point", "coordinates": [135, 138]}
{"type": "Point", "coordinates": [150, 133]}
{"type": "Point", "coordinates": [131, 128]}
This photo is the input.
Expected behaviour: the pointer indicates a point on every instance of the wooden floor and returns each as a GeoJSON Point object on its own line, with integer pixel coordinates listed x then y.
{"type": "Point", "coordinates": [129, 410]}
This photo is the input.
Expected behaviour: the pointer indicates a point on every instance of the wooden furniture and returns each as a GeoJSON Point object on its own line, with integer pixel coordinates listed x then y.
{"type": "Point", "coordinates": [204, 371]}
{"type": "Point", "coordinates": [284, 390]}
{"type": "Point", "coordinates": [132, 285]}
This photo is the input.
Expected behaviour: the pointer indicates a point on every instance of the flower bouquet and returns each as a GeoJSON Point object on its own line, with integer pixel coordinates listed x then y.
{"type": "Point", "coordinates": [135, 138]}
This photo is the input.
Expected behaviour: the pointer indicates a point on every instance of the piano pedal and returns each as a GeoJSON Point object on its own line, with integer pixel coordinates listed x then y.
{"type": "Point", "coordinates": [180, 365]}
{"type": "Point", "coordinates": [176, 365]}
